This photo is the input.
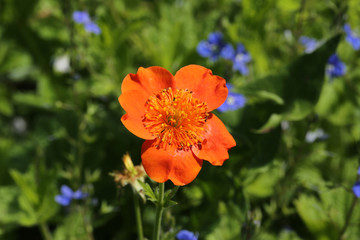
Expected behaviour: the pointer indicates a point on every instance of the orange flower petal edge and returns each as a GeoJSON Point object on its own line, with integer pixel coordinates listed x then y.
{"type": "Point", "coordinates": [173, 114]}
{"type": "Point", "coordinates": [206, 86]}
{"type": "Point", "coordinates": [161, 164]}
{"type": "Point", "coordinates": [217, 142]}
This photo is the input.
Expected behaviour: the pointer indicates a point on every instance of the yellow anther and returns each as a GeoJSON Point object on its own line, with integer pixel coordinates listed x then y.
{"type": "Point", "coordinates": [176, 118]}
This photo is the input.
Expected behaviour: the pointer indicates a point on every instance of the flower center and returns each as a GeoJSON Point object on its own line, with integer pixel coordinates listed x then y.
{"type": "Point", "coordinates": [175, 118]}
{"type": "Point", "coordinates": [230, 100]}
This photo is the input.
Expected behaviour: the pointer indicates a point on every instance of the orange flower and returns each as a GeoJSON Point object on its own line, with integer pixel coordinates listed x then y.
{"type": "Point", "coordinates": [172, 113]}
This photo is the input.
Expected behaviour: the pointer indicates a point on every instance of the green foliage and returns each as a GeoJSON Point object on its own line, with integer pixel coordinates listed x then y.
{"type": "Point", "coordinates": [35, 198]}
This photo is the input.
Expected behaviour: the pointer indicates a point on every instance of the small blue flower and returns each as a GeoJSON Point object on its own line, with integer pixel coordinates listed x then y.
{"type": "Point", "coordinates": [227, 52]}
{"type": "Point", "coordinates": [335, 68]}
{"type": "Point", "coordinates": [318, 134]}
{"type": "Point", "coordinates": [351, 37]}
{"type": "Point", "coordinates": [92, 27]}
{"type": "Point", "coordinates": [67, 194]}
{"type": "Point", "coordinates": [356, 189]}
{"type": "Point", "coordinates": [211, 48]}
{"type": "Point", "coordinates": [79, 195]}
{"type": "Point", "coordinates": [186, 235]}
{"type": "Point", "coordinates": [81, 17]}
{"type": "Point", "coordinates": [233, 101]}
{"type": "Point", "coordinates": [310, 44]}
{"type": "Point", "coordinates": [358, 172]}
{"type": "Point", "coordinates": [240, 57]}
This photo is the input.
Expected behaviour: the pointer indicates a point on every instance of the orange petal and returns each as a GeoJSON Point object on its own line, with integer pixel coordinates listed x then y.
{"type": "Point", "coordinates": [217, 142]}
{"type": "Point", "coordinates": [148, 80]}
{"type": "Point", "coordinates": [133, 102]}
{"type": "Point", "coordinates": [161, 164]}
{"type": "Point", "coordinates": [134, 124]}
{"type": "Point", "coordinates": [206, 86]}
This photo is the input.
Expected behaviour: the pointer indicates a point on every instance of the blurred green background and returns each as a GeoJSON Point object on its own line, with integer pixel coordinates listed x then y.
{"type": "Point", "coordinates": [60, 118]}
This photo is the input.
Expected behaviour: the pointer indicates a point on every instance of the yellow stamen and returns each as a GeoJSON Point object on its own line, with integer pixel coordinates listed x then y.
{"type": "Point", "coordinates": [176, 118]}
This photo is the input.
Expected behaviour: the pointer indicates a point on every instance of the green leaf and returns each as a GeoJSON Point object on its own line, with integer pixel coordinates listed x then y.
{"type": "Point", "coordinates": [315, 217]}
{"type": "Point", "coordinates": [23, 181]}
{"type": "Point", "coordinates": [299, 86]}
{"type": "Point", "coordinates": [228, 226]}
{"type": "Point", "coordinates": [72, 227]}
{"type": "Point", "coordinates": [273, 122]}
{"type": "Point", "coordinates": [5, 106]}
{"type": "Point", "coordinates": [260, 183]}
{"type": "Point", "coordinates": [169, 203]}
{"type": "Point", "coordinates": [36, 196]}
{"type": "Point", "coordinates": [169, 194]}
{"type": "Point", "coordinates": [335, 104]}
{"type": "Point", "coordinates": [148, 191]}
{"type": "Point", "coordinates": [8, 206]}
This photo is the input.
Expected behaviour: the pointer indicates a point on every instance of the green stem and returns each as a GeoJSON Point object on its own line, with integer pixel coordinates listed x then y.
{"type": "Point", "coordinates": [348, 217]}
{"type": "Point", "coordinates": [159, 211]}
{"type": "Point", "coordinates": [45, 231]}
{"type": "Point", "coordinates": [138, 216]}
{"type": "Point", "coordinates": [86, 221]}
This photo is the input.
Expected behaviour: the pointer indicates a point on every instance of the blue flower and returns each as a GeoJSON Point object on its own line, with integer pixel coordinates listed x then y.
{"type": "Point", "coordinates": [356, 189]}
{"type": "Point", "coordinates": [81, 17]}
{"type": "Point", "coordinates": [240, 57]}
{"type": "Point", "coordinates": [92, 27]}
{"type": "Point", "coordinates": [351, 37]}
{"type": "Point", "coordinates": [67, 194]}
{"type": "Point", "coordinates": [233, 101]}
{"type": "Point", "coordinates": [335, 68]}
{"type": "Point", "coordinates": [358, 172]}
{"type": "Point", "coordinates": [310, 44]}
{"type": "Point", "coordinates": [211, 48]}
{"type": "Point", "coordinates": [186, 235]}
{"type": "Point", "coordinates": [318, 134]}
{"type": "Point", "coordinates": [227, 52]}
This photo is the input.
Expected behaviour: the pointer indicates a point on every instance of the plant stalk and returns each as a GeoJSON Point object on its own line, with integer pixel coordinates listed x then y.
{"type": "Point", "coordinates": [159, 212]}
{"type": "Point", "coordinates": [138, 216]}
{"type": "Point", "coordinates": [45, 231]}
{"type": "Point", "coordinates": [348, 217]}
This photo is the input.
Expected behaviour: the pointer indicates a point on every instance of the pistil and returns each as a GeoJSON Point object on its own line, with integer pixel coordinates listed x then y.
{"type": "Point", "coordinates": [176, 118]}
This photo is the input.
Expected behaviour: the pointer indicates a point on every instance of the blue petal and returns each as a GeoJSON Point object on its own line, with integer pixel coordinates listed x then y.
{"type": "Point", "coordinates": [241, 67]}
{"type": "Point", "coordinates": [62, 200]}
{"type": "Point", "coordinates": [310, 44]}
{"type": "Point", "coordinates": [81, 17]}
{"type": "Point", "coordinates": [351, 37]}
{"type": "Point", "coordinates": [79, 195]}
{"type": "Point", "coordinates": [212, 47]}
{"type": "Point", "coordinates": [347, 28]}
{"type": "Point", "coordinates": [356, 189]}
{"type": "Point", "coordinates": [186, 235]}
{"type": "Point", "coordinates": [336, 67]}
{"type": "Point", "coordinates": [66, 191]}
{"type": "Point", "coordinates": [354, 41]}
{"type": "Point", "coordinates": [229, 86]}
{"type": "Point", "coordinates": [215, 38]}
{"type": "Point", "coordinates": [358, 172]}
{"type": "Point", "coordinates": [333, 59]}
{"type": "Point", "coordinates": [92, 27]}
{"type": "Point", "coordinates": [240, 48]}
{"type": "Point", "coordinates": [204, 49]}
{"type": "Point", "coordinates": [227, 52]}
{"type": "Point", "coordinates": [233, 102]}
